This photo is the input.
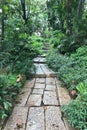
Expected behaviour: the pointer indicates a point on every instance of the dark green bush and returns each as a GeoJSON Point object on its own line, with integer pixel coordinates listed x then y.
{"type": "Point", "coordinates": [8, 92]}
{"type": "Point", "coordinates": [76, 110]}
{"type": "Point", "coordinates": [71, 69]}
{"type": "Point", "coordinates": [76, 113]}
{"type": "Point", "coordinates": [55, 60]}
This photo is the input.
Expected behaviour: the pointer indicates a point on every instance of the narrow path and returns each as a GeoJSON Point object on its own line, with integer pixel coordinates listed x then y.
{"type": "Point", "coordinates": [38, 105]}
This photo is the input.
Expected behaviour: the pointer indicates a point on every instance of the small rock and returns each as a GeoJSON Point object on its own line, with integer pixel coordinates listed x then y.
{"type": "Point", "coordinates": [19, 123]}
{"type": "Point", "coordinates": [73, 94]}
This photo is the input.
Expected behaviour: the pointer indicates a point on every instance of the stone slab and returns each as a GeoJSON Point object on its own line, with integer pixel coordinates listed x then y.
{"type": "Point", "coordinates": [50, 87]}
{"type": "Point", "coordinates": [34, 100]}
{"type": "Point", "coordinates": [43, 59]}
{"type": "Point", "coordinates": [35, 119]}
{"type": "Point", "coordinates": [36, 59]}
{"type": "Point", "coordinates": [39, 75]}
{"type": "Point", "coordinates": [39, 72]}
{"type": "Point", "coordinates": [24, 94]}
{"type": "Point", "coordinates": [29, 83]}
{"type": "Point", "coordinates": [47, 71]}
{"type": "Point", "coordinates": [43, 55]}
{"type": "Point", "coordinates": [40, 80]}
{"type": "Point", "coordinates": [53, 119]}
{"type": "Point", "coordinates": [58, 82]}
{"type": "Point", "coordinates": [50, 81]}
{"type": "Point", "coordinates": [50, 98]}
{"type": "Point", "coordinates": [39, 60]}
{"type": "Point", "coordinates": [38, 91]}
{"type": "Point", "coordinates": [39, 85]}
{"type": "Point", "coordinates": [63, 95]}
{"type": "Point", "coordinates": [19, 113]}
{"type": "Point", "coordinates": [22, 99]}
{"type": "Point", "coordinates": [38, 69]}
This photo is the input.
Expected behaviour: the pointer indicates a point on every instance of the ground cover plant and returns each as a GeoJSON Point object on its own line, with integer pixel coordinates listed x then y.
{"type": "Point", "coordinates": [76, 110]}
{"type": "Point", "coordinates": [9, 88]}
{"type": "Point", "coordinates": [72, 71]}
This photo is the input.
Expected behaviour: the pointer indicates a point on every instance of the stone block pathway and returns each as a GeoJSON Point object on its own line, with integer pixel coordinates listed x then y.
{"type": "Point", "coordinates": [38, 105]}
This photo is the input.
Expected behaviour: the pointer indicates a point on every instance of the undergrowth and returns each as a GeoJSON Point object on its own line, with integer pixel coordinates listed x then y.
{"type": "Point", "coordinates": [72, 71]}
{"type": "Point", "coordinates": [9, 90]}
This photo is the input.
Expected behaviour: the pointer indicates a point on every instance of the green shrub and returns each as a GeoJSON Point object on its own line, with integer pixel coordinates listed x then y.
{"type": "Point", "coordinates": [4, 59]}
{"type": "Point", "coordinates": [56, 37]}
{"type": "Point", "coordinates": [55, 60]}
{"type": "Point", "coordinates": [36, 44]}
{"type": "Point", "coordinates": [9, 89]}
{"type": "Point", "coordinates": [76, 110]}
{"type": "Point", "coordinates": [70, 69]}
{"type": "Point", "coordinates": [76, 113]}
{"type": "Point", "coordinates": [21, 59]}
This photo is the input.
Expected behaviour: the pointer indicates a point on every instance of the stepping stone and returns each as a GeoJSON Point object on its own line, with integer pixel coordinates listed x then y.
{"type": "Point", "coordinates": [43, 56]}
{"type": "Point", "coordinates": [35, 119]}
{"type": "Point", "coordinates": [22, 99]}
{"type": "Point", "coordinates": [39, 72]}
{"type": "Point", "coordinates": [40, 60]}
{"type": "Point", "coordinates": [50, 98]}
{"type": "Point", "coordinates": [47, 71]}
{"type": "Point", "coordinates": [18, 117]}
{"type": "Point", "coordinates": [34, 100]}
{"type": "Point", "coordinates": [50, 87]}
{"type": "Point", "coordinates": [63, 95]}
{"type": "Point", "coordinates": [39, 75]}
{"type": "Point", "coordinates": [38, 91]}
{"type": "Point", "coordinates": [40, 80]}
{"type": "Point", "coordinates": [43, 60]}
{"type": "Point", "coordinates": [58, 82]}
{"type": "Point", "coordinates": [24, 94]}
{"type": "Point", "coordinates": [36, 59]}
{"type": "Point", "coordinates": [39, 85]}
{"type": "Point", "coordinates": [39, 69]}
{"type": "Point", "coordinates": [50, 81]}
{"type": "Point", "coordinates": [53, 119]}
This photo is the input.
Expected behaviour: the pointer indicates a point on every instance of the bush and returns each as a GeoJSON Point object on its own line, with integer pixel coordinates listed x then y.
{"type": "Point", "coordinates": [56, 37]}
{"type": "Point", "coordinates": [9, 89]}
{"type": "Point", "coordinates": [55, 60]}
{"type": "Point", "coordinates": [76, 113]}
{"type": "Point", "coordinates": [70, 69]}
{"type": "Point", "coordinates": [76, 110]}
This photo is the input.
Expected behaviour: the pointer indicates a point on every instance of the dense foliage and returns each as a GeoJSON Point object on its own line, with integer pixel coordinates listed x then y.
{"type": "Point", "coordinates": [72, 71]}
{"type": "Point", "coordinates": [76, 111]}
{"type": "Point", "coordinates": [9, 89]}
{"type": "Point", "coordinates": [20, 42]}
{"type": "Point", "coordinates": [70, 18]}
{"type": "Point", "coordinates": [25, 26]}
{"type": "Point", "coordinates": [68, 56]}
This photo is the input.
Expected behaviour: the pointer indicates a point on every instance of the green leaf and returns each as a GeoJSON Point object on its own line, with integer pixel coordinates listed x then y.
{"type": "Point", "coordinates": [7, 105]}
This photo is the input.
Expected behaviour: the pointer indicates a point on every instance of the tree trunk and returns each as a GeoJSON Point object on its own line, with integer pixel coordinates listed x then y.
{"type": "Point", "coordinates": [24, 11]}
{"type": "Point", "coordinates": [80, 8]}
{"type": "Point", "coordinates": [2, 35]}
{"type": "Point", "coordinates": [68, 17]}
